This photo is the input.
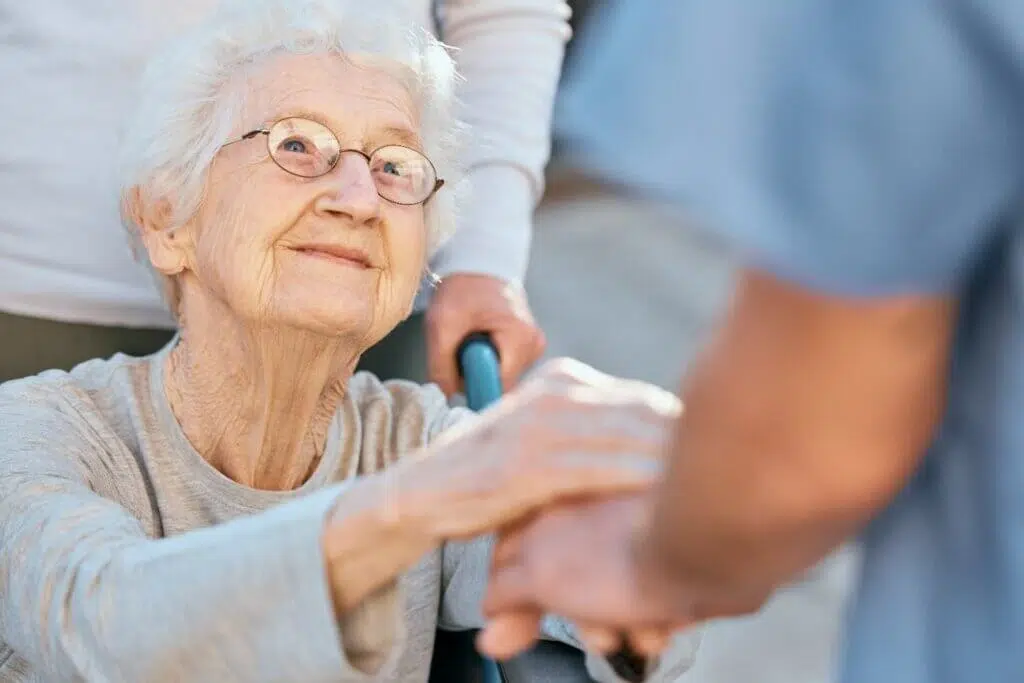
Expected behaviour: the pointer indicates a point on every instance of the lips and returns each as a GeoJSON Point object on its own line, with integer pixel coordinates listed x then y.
{"type": "Point", "coordinates": [337, 253]}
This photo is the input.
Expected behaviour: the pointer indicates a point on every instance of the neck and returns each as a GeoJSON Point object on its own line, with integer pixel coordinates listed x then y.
{"type": "Point", "coordinates": [256, 402]}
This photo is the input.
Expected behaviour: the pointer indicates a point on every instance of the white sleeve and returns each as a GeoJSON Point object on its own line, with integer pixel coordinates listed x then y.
{"type": "Point", "coordinates": [510, 53]}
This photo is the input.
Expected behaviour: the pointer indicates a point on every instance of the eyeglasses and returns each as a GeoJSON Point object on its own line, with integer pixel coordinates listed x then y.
{"type": "Point", "coordinates": [309, 150]}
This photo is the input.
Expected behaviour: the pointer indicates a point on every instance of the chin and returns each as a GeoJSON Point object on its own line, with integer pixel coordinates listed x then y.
{"type": "Point", "coordinates": [340, 322]}
{"type": "Point", "coordinates": [362, 313]}
{"type": "Point", "coordinates": [333, 325]}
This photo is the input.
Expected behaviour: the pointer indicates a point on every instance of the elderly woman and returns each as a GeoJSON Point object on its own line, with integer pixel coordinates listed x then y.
{"type": "Point", "coordinates": [239, 506]}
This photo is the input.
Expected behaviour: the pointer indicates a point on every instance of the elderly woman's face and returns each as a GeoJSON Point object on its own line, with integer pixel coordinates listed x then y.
{"type": "Point", "coordinates": [326, 253]}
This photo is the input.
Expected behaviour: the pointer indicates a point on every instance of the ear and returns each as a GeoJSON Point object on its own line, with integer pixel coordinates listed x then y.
{"type": "Point", "coordinates": [165, 242]}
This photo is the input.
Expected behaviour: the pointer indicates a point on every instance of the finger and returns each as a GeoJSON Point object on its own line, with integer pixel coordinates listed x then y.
{"type": "Point", "coordinates": [520, 499]}
{"type": "Point", "coordinates": [592, 480]}
{"type": "Point", "coordinates": [650, 641]}
{"type": "Point", "coordinates": [589, 452]}
{"type": "Point", "coordinates": [516, 492]}
{"type": "Point", "coordinates": [442, 365]}
{"type": "Point", "coordinates": [585, 415]}
{"type": "Point", "coordinates": [463, 522]}
{"type": "Point", "coordinates": [571, 372]}
{"type": "Point", "coordinates": [506, 507]}
{"type": "Point", "coordinates": [630, 398]}
{"type": "Point", "coordinates": [509, 589]}
{"type": "Point", "coordinates": [510, 345]}
{"type": "Point", "coordinates": [509, 545]}
{"type": "Point", "coordinates": [540, 345]}
{"type": "Point", "coordinates": [739, 608]}
{"type": "Point", "coordinates": [598, 639]}
{"type": "Point", "coordinates": [509, 633]}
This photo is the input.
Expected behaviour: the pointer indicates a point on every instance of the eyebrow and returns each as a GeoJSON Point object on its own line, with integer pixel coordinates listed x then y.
{"type": "Point", "coordinates": [398, 135]}
{"type": "Point", "coordinates": [388, 135]}
{"type": "Point", "coordinates": [301, 114]}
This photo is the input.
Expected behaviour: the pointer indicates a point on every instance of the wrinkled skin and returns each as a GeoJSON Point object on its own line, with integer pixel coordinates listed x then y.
{"type": "Point", "coordinates": [540, 445]}
{"type": "Point", "coordinates": [534, 450]}
{"type": "Point", "coordinates": [271, 333]}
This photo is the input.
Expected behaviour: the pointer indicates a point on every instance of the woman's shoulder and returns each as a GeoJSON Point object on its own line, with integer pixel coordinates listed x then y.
{"type": "Point", "coordinates": [85, 383]}
{"type": "Point", "coordinates": [411, 414]}
{"type": "Point", "coordinates": [88, 404]}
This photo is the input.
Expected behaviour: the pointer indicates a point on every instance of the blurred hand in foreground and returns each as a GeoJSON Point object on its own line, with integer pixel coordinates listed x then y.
{"type": "Point", "coordinates": [579, 561]}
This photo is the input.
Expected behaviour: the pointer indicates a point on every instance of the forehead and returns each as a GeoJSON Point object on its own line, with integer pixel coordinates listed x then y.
{"type": "Point", "coordinates": [350, 94]}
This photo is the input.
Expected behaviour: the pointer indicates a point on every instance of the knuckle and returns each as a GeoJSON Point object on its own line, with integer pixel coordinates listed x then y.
{"type": "Point", "coordinates": [539, 384]}
{"type": "Point", "coordinates": [446, 308]}
{"type": "Point", "coordinates": [540, 342]}
{"type": "Point", "coordinates": [550, 400]}
{"type": "Point", "coordinates": [565, 370]}
{"type": "Point", "coordinates": [662, 403]}
{"type": "Point", "coordinates": [524, 326]}
{"type": "Point", "coordinates": [649, 398]}
{"type": "Point", "coordinates": [658, 396]}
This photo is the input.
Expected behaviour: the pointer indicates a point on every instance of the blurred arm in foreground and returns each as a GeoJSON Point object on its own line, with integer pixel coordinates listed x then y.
{"type": "Point", "coordinates": [863, 168]}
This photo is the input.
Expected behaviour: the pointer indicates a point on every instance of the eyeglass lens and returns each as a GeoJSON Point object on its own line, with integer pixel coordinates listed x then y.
{"type": "Point", "coordinates": [309, 149]}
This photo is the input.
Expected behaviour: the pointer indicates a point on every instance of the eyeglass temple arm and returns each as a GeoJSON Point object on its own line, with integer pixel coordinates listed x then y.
{"type": "Point", "coordinates": [248, 136]}
{"type": "Point", "coordinates": [438, 184]}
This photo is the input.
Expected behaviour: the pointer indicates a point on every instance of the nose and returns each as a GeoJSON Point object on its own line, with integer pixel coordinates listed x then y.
{"type": "Point", "coordinates": [351, 191]}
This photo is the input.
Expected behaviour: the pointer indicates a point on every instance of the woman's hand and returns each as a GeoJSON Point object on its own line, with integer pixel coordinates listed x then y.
{"type": "Point", "coordinates": [567, 433]}
{"type": "Point", "coordinates": [570, 431]}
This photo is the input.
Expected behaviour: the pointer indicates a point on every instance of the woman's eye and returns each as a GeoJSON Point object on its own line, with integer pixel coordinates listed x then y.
{"type": "Point", "coordinates": [391, 167]}
{"type": "Point", "coordinates": [294, 146]}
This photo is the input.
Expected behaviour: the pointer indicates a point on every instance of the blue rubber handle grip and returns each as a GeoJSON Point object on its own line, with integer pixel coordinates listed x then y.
{"type": "Point", "coordinates": [481, 371]}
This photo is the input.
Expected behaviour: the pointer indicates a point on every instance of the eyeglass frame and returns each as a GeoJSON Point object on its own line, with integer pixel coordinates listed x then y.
{"type": "Point", "coordinates": [438, 182]}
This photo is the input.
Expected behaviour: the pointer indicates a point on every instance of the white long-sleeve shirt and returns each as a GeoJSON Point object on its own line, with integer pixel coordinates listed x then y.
{"type": "Point", "coordinates": [68, 69]}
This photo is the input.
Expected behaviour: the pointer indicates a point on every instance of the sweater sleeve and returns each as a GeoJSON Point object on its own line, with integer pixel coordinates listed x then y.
{"type": "Point", "coordinates": [85, 594]}
{"type": "Point", "coordinates": [510, 53]}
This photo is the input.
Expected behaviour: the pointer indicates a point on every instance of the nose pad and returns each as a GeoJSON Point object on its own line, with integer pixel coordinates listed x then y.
{"type": "Point", "coordinates": [352, 190]}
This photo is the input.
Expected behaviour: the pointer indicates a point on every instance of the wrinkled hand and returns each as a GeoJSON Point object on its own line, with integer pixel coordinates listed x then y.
{"type": "Point", "coordinates": [578, 561]}
{"type": "Point", "coordinates": [569, 431]}
{"type": "Point", "coordinates": [466, 303]}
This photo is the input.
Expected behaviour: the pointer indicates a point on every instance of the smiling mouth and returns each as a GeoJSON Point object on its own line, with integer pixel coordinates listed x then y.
{"type": "Point", "coordinates": [348, 257]}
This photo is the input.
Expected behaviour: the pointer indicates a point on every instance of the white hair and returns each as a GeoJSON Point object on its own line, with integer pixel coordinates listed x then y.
{"type": "Point", "coordinates": [189, 100]}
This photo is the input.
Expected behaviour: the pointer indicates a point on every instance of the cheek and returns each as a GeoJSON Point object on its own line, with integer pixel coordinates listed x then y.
{"type": "Point", "coordinates": [234, 243]}
{"type": "Point", "coordinates": [407, 244]}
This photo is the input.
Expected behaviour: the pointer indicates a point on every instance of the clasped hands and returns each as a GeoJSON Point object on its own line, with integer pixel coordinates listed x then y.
{"type": "Point", "coordinates": [580, 561]}
{"type": "Point", "coordinates": [561, 471]}
{"type": "Point", "coordinates": [581, 558]}
{"type": "Point", "coordinates": [577, 558]}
